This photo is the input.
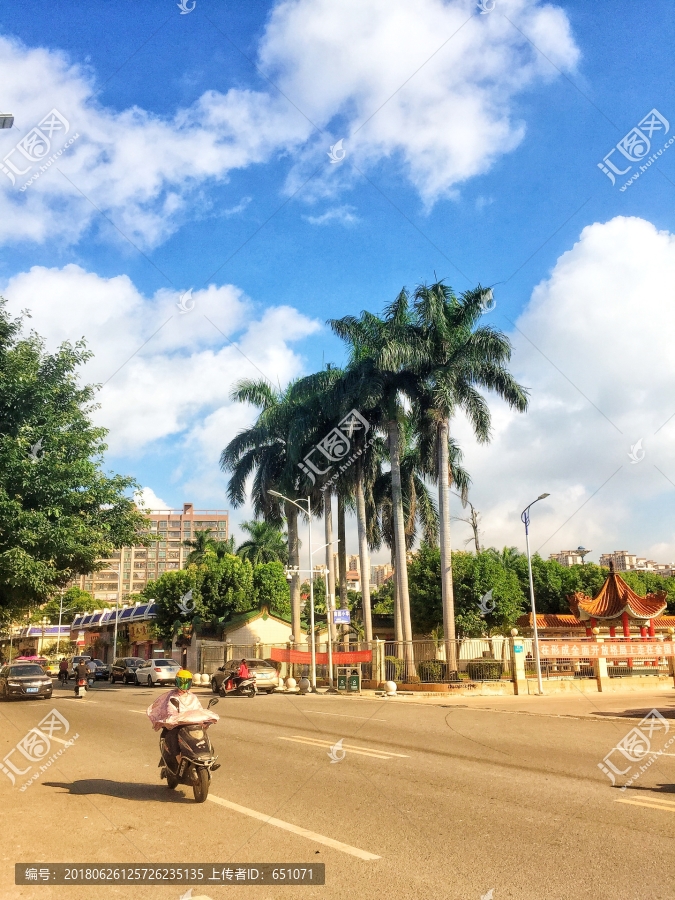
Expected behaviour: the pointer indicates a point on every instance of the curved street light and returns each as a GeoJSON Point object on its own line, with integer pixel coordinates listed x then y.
{"type": "Point", "coordinates": [525, 519]}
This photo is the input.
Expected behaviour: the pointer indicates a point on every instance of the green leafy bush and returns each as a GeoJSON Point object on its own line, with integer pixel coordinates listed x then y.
{"type": "Point", "coordinates": [484, 670]}
{"type": "Point", "coordinates": [393, 668]}
{"type": "Point", "coordinates": [432, 670]}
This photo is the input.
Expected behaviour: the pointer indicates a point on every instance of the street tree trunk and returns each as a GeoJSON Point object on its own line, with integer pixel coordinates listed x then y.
{"type": "Point", "coordinates": [342, 564]}
{"type": "Point", "coordinates": [447, 594]}
{"type": "Point", "coordinates": [364, 556]}
{"type": "Point", "coordinates": [294, 560]}
{"type": "Point", "coordinates": [399, 543]}
{"type": "Point", "coordinates": [398, 627]}
{"type": "Point", "coordinates": [330, 563]}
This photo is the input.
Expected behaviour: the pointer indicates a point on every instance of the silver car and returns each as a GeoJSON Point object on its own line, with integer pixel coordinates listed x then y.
{"type": "Point", "coordinates": [157, 671]}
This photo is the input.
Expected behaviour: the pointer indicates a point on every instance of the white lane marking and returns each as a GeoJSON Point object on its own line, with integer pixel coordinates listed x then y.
{"type": "Point", "coordinates": [294, 829]}
{"type": "Point", "coordinates": [343, 715]}
{"type": "Point", "coordinates": [361, 751]}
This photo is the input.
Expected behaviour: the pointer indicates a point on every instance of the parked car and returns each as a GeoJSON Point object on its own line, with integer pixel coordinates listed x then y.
{"type": "Point", "coordinates": [25, 681]}
{"type": "Point", "coordinates": [124, 669]}
{"type": "Point", "coordinates": [157, 671]}
{"type": "Point", "coordinates": [101, 671]}
{"type": "Point", "coordinates": [265, 674]}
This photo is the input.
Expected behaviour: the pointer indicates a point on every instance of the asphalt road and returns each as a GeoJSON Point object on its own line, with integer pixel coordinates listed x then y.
{"type": "Point", "coordinates": [449, 801]}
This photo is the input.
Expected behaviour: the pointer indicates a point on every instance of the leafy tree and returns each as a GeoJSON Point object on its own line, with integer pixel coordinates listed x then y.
{"type": "Point", "coordinates": [59, 512]}
{"type": "Point", "coordinates": [200, 545]}
{"type": "Point", "coordinates": [75, 601]}
{"type": "Point", "coordinates": [264, 544]}
{"type": "Point", "coordinates": [473, 576]}
{"type": "Point", "coordinates": [271, 588]}
{"type": "Point", "coordinates": [227, 587]}
{"type": "Point", "coordinates": [383, 599]}
{"type": "Point", "coordinates": [178, 598]}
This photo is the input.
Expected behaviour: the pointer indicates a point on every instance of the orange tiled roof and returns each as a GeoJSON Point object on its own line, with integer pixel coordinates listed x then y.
{"type": "Point", "coordinates": [557, 620]}
{"type": "Point", "coordinates": [616, 597]}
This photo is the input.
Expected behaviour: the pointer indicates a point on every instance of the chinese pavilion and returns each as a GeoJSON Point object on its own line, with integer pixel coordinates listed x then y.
{"type": "Point", "coordinates": [615, 605]}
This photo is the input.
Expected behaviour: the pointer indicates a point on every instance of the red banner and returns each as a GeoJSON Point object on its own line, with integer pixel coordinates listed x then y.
{"type": "Point", "coordinates": [340, 657]}
{"type": "Point", "coordinates": [639, 648]}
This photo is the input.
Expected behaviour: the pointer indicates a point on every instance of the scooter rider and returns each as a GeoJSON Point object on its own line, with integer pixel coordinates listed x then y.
{"type": "Point", "coordinates": [81, 674]}
{"type": "Point", "coordinates": [177, 707]}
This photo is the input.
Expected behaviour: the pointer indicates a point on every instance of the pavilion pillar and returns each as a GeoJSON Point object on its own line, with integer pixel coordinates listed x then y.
{"type": "Point", "coordinates": [626, 632]}
{"type": "Point", "coordinates": [652, 634]}
{"type": "Point", "coordinates": [612, 634]}
{"type": "Point", "coordinates": [671, 657]}
{"type": "Point", "coordinates": [600, 669]}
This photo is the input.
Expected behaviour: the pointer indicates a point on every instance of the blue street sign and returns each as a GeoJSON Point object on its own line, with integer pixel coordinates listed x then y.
{"type": "Point", "coordinates": [341, 617]}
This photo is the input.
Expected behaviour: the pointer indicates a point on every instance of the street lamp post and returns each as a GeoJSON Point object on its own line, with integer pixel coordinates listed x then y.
{"type": "Point", "coordinates": [58, 636]}
{"type": "Point", "coordinates": [525, 519]}
{"type": "Point", "coordinates": [311, 579]}
{"type": "Point", "coordinates": [44, 622]}
{"type": "Point", "coordinates": [329, 620]}
{"type": "Point", "coordinates": [117, 604]}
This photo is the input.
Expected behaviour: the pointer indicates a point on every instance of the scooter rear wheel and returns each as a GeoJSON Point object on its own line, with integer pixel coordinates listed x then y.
{"type": "Point", "coordinates": [171, 781]}
{"type": "Point", "coordinates": [200, 788]}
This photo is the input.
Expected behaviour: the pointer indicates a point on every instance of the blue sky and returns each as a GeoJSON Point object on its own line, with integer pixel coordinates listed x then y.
{"type": "Point", "coordinates": [201, 161]}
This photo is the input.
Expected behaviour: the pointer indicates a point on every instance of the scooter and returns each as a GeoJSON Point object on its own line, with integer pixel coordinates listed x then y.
{"type": "Point", "coordinates": [197, 759]}
{"type": "Point", "coordinates": [243, 687]}
{"type": "Point", "coordinates": [81, 687]}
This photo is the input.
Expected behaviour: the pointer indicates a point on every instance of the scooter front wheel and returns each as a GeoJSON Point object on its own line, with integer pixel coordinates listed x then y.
{"type": "Point", "coordinates": [171, 781]}
{"type": "Point", "coordinates": [200, 788]}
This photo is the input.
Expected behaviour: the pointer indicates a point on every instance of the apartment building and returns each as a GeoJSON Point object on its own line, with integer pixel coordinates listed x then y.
{"type": "Point", "coordinates": [380, 574]}
{"type": "Point", "coordinates": [570, 557]}
{"type": "Point", "coordinates": [131, 568]}
{"type": "Point", "coordinates": [629, 562]}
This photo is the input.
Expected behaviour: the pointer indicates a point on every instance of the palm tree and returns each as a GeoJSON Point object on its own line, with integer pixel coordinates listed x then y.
{"type": "Point", "coordinates": [224, 548]}
{"type": "Point", "coordinates": [265, 543]}
{"type": "Point", "coordinates": [458, 357]}
{"type": "Point", "coordinates": [265, 450]}
{"type": "Point", "coordinates": [376, 382]}
{"type": "Point", "coordinates": [201, 545]}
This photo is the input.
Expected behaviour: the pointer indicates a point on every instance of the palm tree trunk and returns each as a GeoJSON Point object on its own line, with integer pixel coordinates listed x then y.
{"type": "Point", "coordinates": [447, 592]}
{"type": "Point", "coordinates": [398, 627]}
{"type": "Point", "coordinates": [364, 557]}
{"type": "Point", "coordinates": [330, 564]}
{"type": "Point", "coordinates": [342, 563]}
{"type": "Point", "coordinates": [399, 544]}
{"type": "Point", "coordinates": [294, 560]}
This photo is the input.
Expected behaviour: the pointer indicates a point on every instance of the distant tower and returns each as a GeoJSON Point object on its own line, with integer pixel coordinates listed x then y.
{"type": "Point", "coordinates": [582, 551]}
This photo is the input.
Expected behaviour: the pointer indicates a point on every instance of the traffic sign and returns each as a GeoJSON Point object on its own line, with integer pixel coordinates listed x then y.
{"type": "Point", "coordinates": [341, 617]}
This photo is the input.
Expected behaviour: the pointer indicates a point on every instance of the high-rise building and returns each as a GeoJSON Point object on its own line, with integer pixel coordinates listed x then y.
{"type": "Point", "coordinates": [380, 574]}
{"type": "Point", "coordinates": [629, 562]}
{"type": "Point", "coordinates": [568, 557]}
{"type": "Point", "coordinates": [128, 570]}
{"type": "Point", "coordinates": [354, 563]}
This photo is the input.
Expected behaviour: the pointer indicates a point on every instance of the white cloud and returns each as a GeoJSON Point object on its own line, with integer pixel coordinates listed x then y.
{"type": "Point", "coordinates": [148, 499]}
{"type": "Point", "coordinates": [185, 371]}
{"type": "Point", "coordinates": [605, 318]}
{"type": "Point", "coordinates": [342, 214]}
{"type": "Point", "coordinates": [339, 63]}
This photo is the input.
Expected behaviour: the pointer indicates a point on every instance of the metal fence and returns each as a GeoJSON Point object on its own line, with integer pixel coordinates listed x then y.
{"type": "Point", "coordinates": [415, 662]}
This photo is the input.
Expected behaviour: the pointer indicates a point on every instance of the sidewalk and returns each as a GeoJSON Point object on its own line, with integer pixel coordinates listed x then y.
{"type": "Point", "coordinates": [618, 704]}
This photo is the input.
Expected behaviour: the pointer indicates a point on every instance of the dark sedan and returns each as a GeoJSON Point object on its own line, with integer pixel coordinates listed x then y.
{"type": "Point", "coordinates": [25, 681]}
{"type": "Point", "coordinates": [101, 671]}
{"type": "Point", "coordinates": [124, 669]}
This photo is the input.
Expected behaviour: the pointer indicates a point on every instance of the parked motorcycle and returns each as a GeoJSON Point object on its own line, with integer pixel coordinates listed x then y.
{"type": "Point", "coordinates": [197, 759]}
{"type": "Point", "coordinates": [242, 687]}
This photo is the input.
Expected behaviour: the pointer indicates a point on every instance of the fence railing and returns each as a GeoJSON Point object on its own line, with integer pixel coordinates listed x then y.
{"type": "Point", "coordinates": [414, 662]}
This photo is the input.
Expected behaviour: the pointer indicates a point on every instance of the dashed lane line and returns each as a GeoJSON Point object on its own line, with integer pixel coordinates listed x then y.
{"type": "Point", "coordinates": [295, 829]}
{"type": "Point", "coordinates": [656, 803]}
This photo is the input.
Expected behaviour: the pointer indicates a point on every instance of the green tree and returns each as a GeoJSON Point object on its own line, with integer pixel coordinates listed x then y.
{"type": "Point", "coordinates": [200, 546]}
{"type": "Point", "coordinates": [264, 544]}
{"type": "Point", "coordinates": [75, 601]}
{"type": "Point", "coordinates": [178, 598]}
{"type": "Point", "coordinates": [271, 588]}
{"type": "Point", "coordinates": [459, 357]}
{"type": "Point", "coordinates": [59, 511]}
{"type": "Point", "coordinates": [474, 575]}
